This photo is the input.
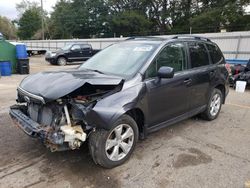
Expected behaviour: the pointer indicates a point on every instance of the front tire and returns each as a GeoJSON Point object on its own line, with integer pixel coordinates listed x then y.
{"type": "Point", "coordinates": [62, 61]}
{"type": "Point", "coordinates": [214, 105]}
{"type": "Point", "coordinates": [112, 148]}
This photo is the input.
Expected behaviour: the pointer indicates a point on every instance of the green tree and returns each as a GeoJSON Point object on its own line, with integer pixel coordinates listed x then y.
{"type": "Point", "coordinates": [170, 16]}
{"type": "Point", "coordinates": [129, 18]}
{"type": "Point", "coordinates": [180, 14]}
{"type": "Point", "coordinates": [131, 23]}
{"type": "Point", "coordinates": [62, 20]}
{"type": "Point", "coordinates": [219, 14]}
{"type": "Point", "coordinates": [104, 18]}
{"type": "Point", "coordinates": [29, 23]}
{"type": "Point", "coordinates": [7, 28]}
{"type": "Point", "coordinates": [25, 5]}
{"type": "Point", "coordinates": [91, 18]}
{"type": "Point", "coordinates": [80, 19]}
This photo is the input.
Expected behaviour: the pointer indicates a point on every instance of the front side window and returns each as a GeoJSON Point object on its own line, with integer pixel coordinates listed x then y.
{"type": "Point", "coordinates": [215, 53]}
{"type": "Point", "coordinates": [198, 54]}
{"type": "Point", "coordinates": [173, 55]}
{"type": "Point", "coordinates": [76, 47]}
{"type": "Point", "coordinates": [66, 47]}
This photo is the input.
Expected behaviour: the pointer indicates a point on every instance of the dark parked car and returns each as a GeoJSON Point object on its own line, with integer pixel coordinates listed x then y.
{"type": "Point", "coordinates": [123, 93]}
{"type": "Point", "coordinates": [71, 53]}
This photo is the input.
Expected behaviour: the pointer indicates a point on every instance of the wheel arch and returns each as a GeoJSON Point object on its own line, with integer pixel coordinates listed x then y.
{"type": "Point", "coordinates": [222, 88]}
{"type": "Point", "coordinates": [138, 115]}
{"type": "Point", "coordinates": [61, 56]}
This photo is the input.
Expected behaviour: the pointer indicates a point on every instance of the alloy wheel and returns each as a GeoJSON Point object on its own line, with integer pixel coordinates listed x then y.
{"type": "Point", "coordinates": [215, 104]}
{"type": "Point", "coordinates": [119, 142]}
{"type": "Point", "coordinates": [62, 61]}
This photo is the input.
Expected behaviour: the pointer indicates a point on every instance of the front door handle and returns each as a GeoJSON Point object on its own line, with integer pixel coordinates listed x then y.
{"type": "Point", "coordinates": [188, 81]}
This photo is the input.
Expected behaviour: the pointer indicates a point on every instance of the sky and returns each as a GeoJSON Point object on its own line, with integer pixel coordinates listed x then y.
{"type": "Point", "coordinates": [8, 7]}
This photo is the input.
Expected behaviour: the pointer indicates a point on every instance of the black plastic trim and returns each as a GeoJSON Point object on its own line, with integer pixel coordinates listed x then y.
{"type": "Point", "coordinates": [29, 126]}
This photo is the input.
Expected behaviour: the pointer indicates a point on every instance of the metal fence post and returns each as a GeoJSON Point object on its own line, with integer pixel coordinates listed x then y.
{"type": "Point", "coordinates": [238, 47]}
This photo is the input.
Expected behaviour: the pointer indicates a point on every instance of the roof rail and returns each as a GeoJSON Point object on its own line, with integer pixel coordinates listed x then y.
{"type": "Point", "coordinates": [191, 36]}
{"type": "Point", "coordinates": [144, 37]}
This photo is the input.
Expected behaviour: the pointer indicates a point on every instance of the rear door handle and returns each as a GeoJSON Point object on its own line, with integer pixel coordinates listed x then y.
{"type": "Point", "coordinates": [187, 80]}
{"type": "Point", "coordinates": [212, 72]}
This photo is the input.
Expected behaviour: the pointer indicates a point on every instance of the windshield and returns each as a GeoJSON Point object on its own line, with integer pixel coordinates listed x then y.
{"type": "Point", "coordinates": [122, 59]}
{"type": "Point", "coordinates": [67, 47]}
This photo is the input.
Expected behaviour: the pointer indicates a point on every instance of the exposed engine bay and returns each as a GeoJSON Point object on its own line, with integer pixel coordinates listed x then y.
{"type": "Point", "coordinates": [61, 124]}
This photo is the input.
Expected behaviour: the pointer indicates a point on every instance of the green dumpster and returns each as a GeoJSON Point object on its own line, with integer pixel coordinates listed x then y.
{"type": "Point", "coordinates": [8, 53]}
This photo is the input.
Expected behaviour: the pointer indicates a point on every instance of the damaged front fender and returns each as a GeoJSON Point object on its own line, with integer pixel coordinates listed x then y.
{"type": "Point", "coordinates": [108, 110]}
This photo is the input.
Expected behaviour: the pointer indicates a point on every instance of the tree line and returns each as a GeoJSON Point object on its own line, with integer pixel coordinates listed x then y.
{"type": "Point", "coordinates": [114, 18]}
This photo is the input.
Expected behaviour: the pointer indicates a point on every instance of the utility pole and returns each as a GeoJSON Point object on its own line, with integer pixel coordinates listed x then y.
{"type": "Point", "coordinates": [42, 19]}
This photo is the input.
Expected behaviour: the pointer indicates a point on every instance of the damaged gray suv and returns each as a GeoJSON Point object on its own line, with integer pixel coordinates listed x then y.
{"type": "Point", "coordinates": [121, 94]}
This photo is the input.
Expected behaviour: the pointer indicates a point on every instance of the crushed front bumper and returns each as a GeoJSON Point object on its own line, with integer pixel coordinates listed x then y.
{"type": "Point", "coordinates": [26, 124]}
{"type": "Point", "coordinates": [51, 60]}
{"type": "Point", "coordinates": [34, 129]}
{"type": "Point", "coordinates": [66, 138]}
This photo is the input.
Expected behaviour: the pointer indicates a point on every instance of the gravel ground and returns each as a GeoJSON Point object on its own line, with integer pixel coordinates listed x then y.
{"type": "Point", "coordinates": [193, 153]}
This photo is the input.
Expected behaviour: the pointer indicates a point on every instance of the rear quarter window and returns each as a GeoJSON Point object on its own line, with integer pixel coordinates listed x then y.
{"type": "Point", "coordinates": [215, 53]}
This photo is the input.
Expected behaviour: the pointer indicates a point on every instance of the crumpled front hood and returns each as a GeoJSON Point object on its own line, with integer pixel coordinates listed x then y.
{"type": "Point", "coordinates": [53, 85]}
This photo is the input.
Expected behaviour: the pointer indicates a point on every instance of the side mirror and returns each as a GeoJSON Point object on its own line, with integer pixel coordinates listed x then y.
{"type": "Point", "coordinates": [165, 72]}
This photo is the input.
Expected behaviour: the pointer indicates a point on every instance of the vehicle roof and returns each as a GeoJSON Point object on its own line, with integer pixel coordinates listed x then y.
{"type": "Point", "coordinates": [169, 38]}
{"type": "Point", "coordinates": [71, 43]}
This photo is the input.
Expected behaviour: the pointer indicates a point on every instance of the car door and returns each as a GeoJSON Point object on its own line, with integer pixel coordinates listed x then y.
{"type": "Point", "coordinates": [200, 74]}
{"type": "Point", "coordinates": [167, 98]}
{"type": "Point", "coordinates": [75, 53]}
{"type": "Point", "coordinates": [87, 51]}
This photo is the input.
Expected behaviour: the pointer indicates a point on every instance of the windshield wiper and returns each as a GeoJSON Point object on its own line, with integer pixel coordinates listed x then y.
{"type": "Point", "coordinates": [97, 71]}
{"type": "Point", "coordinates": [94, 70]}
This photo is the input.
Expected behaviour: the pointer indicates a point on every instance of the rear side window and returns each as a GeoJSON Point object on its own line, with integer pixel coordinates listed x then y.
{"type": "Point", "coordinates": [215, 53]}
{"type": "Point", "coordinates": [86, 47]}
{"type": "Point", "coordinates": [198, 54]}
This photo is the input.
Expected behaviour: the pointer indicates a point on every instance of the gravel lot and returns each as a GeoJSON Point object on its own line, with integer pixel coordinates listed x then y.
{"type": "Point", "coordinates": [193, 153]}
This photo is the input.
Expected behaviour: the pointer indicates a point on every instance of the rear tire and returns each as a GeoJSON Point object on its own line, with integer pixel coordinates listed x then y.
{"type": "Point", "coordinates": [62, 61]}
{"type": "Point", "coordinates": [214, 105]}
{"type": "Point", "coordinates": [112, 148]}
